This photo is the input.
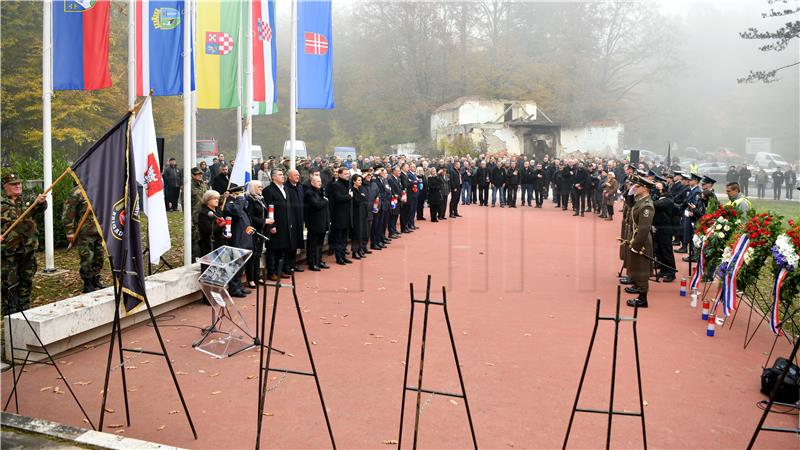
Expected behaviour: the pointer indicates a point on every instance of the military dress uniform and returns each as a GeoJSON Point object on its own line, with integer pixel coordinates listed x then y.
{"type": "Point", "coordinates": [199, 187]}
{"type": "Point", "coordinates": [641, 248]}
{"type": "Point", "coordinates": [87, 240]}
{"type": "Point", "coordinates": [18, 249]}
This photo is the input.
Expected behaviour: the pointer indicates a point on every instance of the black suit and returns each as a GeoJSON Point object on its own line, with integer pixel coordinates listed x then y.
{"type": "Point", "coordinates": [220, 182]}
{"type": "Point", "coordinates": [455, 190]}
{"type": "Point", "coordinates": [341, 216]}
{"type": "Point", "coordinates": [295, 194]}
{"type": "Point", "coordinates": [317, 218]}
{"type": "Point", "coordinates": [396, 191]}
{"type": "Point", "coordinates": [280, 241]}
{"type": "Point", "coordinates": [257, 211]}
{"type": "Point", "coordinates": [435, 185]}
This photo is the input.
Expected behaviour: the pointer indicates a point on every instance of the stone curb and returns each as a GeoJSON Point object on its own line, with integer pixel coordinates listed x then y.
{"type": "Point", "coordinates": [87, 438]}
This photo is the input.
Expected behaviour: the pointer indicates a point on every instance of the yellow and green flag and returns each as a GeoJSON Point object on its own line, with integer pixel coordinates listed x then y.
{"type": "Point", "coordinates": [217, 43]}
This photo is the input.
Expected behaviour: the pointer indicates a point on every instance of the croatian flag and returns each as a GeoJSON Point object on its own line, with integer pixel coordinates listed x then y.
{"type": "Point", "coordinates": [314, 55]}
{"type": "Point", "coordinates": [80, 45]}
{"type": "Point", "coordinates": [159, 47]}
{"type": "Point", "coordinates": [265, 95]}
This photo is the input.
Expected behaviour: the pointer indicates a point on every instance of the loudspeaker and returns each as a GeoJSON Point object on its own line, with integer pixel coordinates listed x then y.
{"type": "Point", "coordinates": [635, 157]}
{"type": "Point", "coordinates": [160, 147]}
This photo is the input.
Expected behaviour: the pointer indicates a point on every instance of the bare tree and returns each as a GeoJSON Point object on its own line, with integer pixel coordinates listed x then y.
{"type": "Point", "coordinates": [781, 38]}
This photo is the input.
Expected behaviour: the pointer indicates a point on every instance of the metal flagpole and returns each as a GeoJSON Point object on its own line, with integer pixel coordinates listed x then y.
{"type": "Point", "coordinates": [187, 133]}
{"type": "Point", "coordinates": [47, 141]}
{"type": "Point", "coordinates": [239, 89]}
{"type": "Point", "coordinates": [194, 105]}
{"type": "Point", "coordinates": [293, 89]}
{"type": "Point", "coordinates": [131, 53]}
{"type": "Point", "coordinates": [248, 102]}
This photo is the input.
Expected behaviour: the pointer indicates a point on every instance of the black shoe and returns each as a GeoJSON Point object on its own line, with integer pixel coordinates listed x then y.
{"type": "Point", "coordinates": [682, 250]}
{"type": "Point", "coordinates": [313, 268]}
{"type": "Point", "coordinates": [347, 261]}
{"type": "Point", "coordinates": [459, 215]}
{"type": "Point", "coordinates": [239, 294]}
{"type": "Point", "coordinates": [625, 280]}
{"type": "Point", "coordinates": [356, 256]}
{"type": "Point", "coordinates": [322, 265]}
{"type": "Point", "coordinates": [88, 286]}
{"type": "Point", "coordinates": [421, 218]}
{"type": "Point", "coordinates": [575, 214]}
{"type": "Point", "coordinates": [676, 243]}
{"type": "Point", "coordinates": [341, 262]}
{"type": "Point", "coordinates": [687, 259]}
{"type": "Point", "coordinates": [668, 278]}
{"type": "Point", "coordinates": [97, 282]}
{"type": "Point", "coordinates": [633, 290]}
{"type": "Point", "coordinates": [637, 302]}
{"type": "Point", "coordinates": [442, 218]}
{"type": "Point", "coordinates": [434, 220]}
{"type": "Point", "coordinates": [245, 291]}
{"type": "Point", "coordinates": [368, 252]}
{"type": "Point", "coordinates": [298, 269]}
{"type": "Point", "coordinates": [376, 248]}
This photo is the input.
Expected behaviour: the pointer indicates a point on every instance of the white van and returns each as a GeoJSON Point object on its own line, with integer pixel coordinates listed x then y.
{"type": "Point", "coordinates": [255, 153]}
{"type": "Point", "coordinates": [768, 160]}
{"type": "Point", "coordinates": [299, 149]}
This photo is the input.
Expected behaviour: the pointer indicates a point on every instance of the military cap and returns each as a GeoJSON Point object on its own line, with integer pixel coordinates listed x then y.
{"type": "Point", "coordinates": [10, 177]}
{"type": "Point", "coordinates": [650, 173]}
{"type": "Point", "coordinates": [697, 177]}
{"type": "Point", "coordinates": [660, 179]}
{"type": "Point", "coordinates": [644, 182]}
{"type": "Point", "coordinates": [235, 189]}
{"type": "Point", "coordinates": [641, 173]}
{"type": "Point", "coordinates": [708, 180]}
{"type": "Point", "coordinates": [678, 174]}
{"type": "Point", "coordinates": [196, 171]}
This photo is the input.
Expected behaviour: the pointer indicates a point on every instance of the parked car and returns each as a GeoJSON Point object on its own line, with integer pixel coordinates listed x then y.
{"type": "Point", "coordinates": [769, 161]}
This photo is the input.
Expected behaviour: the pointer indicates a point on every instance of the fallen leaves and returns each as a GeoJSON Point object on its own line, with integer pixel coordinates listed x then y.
{"type": "Point", "coordinates": [453, 402]}
{"type": "Point", "coordinates": [250, 377]}
{"type": "Point", "coordinates": [268, 414]}
{"type": "Point", "coordinates": [46, 388]}
{"type": "Point", "coordinates": [110, 410]}
{"type": "Point", "coordinates": [390, 442]}
{"type": "Point", "coordinates": [173, 412]}
{"type": "Point", "coordinates": [216, 392]}
{"type": "Point", "coordinates": [161, 428]}
{"type": "Point", "coordinates": [489, 363]}
{"type": "Point", "coordinates": [115, 425]}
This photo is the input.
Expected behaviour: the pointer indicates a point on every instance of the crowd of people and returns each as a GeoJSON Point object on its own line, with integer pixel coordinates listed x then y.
{"type": "Point", "coordinates": [368, 202]}
{"type": "Point", "coordinates": [784, 180]}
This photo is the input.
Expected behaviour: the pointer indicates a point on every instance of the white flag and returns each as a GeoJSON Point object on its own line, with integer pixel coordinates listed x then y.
{"type": "Point", "coordinates": [148, 174]}
{"type": "Point", "coordinates": [240, 175]}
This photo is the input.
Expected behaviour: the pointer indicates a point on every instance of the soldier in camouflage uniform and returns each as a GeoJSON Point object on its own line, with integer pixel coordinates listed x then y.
{"type": "Point", "coordinates": [86, 240]}
{"type": "Point", "coordinates": [19, 246]}
{"type": "Point", "coordinates": [199, 187]}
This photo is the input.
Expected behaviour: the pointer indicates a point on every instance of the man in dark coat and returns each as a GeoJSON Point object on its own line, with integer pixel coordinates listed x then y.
{"type": "Point", "coordinates": [456, 183]}
{"type": "Point", "coordinates": [216, 168]}
{"type": "Point", "coordinates": [173, 179]}
{"type": "Point", "coordinates": [422, 195]}
{"type": "Point", "coordinates": [482, 178]}
{"type": "Point", "coordinates": [241, 234]}
{"type": "Point", "coordinates": [294, 191]}
{"type": "Point", "coordinates": [394, 208]}
{"type": "Point", "coordinates": [513, 179]}
{"type": "Point", "coordinates": [404, 206]}
{"type": "Point", "coordinates": [341, 214]}
{"type": "Point", "coordinates": [220, 182]}
{"type": "Point", "coordinates": [777, 183]}
{"type": "Point", "coordinates": [498, 181]}
{"type": "Point", "coordinates": [578, 193]}
{"type": "Point", "coordinates": [435, 186]}
{"type": "Point", "coordinates": [371, 190]}
{"type": "Point", "coordinates": [385, 195]}
{"type": "Point", "coordinates": [567, 177]}
{"type": "Point", "coordinates": [317, 219]}
{"type": "Point", "coordinates": [539, 184]}
{"type": "Point", "coordinates": [282, 231]}
{"type": "Point", "coordinates": [744, 178]}
{"type": "Point", "coordinates": [413, 196]}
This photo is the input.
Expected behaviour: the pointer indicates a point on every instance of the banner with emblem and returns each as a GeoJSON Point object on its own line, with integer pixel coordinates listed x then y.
{"type": "Point", "coordinates": [159, 47]}
{"type": "Point", "coordinates": [80, 44]}
{"type": "Point", "coordinates": [314, 55]}
{"type": "Point", "coordinates": [216, 60]}
{"type": "Point", "coordinates": [105, 174]}
{"type": "Point", "coordinates": [265, 95]}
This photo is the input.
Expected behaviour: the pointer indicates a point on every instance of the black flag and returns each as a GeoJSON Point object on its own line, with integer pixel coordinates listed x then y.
{"type": "Point", "coordinates": [106, 176]}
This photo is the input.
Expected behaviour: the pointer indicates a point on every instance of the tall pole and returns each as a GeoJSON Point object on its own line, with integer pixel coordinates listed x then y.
{"type": "Point", "coordinates": [293, 89]}
{"type": "Point", "coordinates": [239, 90]}
{"type": "Point", "coordinates": [187, 132]}
{"type": "Point", "coordinates": [194, 106]}
{"type": "Point", "coordinates": [47, 137]}
{"type": "Point", "coordinates": [248, 101]}
{"type": "Point", "coordinates": [131, 53]}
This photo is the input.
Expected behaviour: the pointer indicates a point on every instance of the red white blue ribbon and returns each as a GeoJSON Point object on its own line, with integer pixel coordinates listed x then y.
{"type": "Point", "coordinates": [775, 312]}
{"type": "Point", "coordinates": [729, 302]}
{"type": "Point", "coordinates": [701, 263]}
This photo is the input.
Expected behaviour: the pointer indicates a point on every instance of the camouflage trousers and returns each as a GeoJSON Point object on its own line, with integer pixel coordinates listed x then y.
{"type": "Point", "coordinates": [90, 248]}
{"type": "Point", "coordinates": [18, 272]}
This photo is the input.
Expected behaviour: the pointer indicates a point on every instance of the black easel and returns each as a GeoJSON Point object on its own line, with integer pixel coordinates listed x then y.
{"type": "Point", "coordinates": [265, 369]}
{"type": "Point", "coordinates": [13, 299]}
{"type": "Point", "coordinates": [116, 334]}
{"type": "Point", "coordinates": [772, 402]}
{"type": "Point", "coordinates": [419, 389]}
{"type": "Point", "coordinates": [616, 318]}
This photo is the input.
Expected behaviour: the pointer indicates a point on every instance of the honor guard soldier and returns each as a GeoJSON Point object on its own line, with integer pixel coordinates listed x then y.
{"type": "Point", "coordinates": [625, 230]}
{"type": "Point", "coordinates": [82, 234]}
{"type": "Point", "coordinates": [640, 245]}
{"type": "Point", "coordinates": [19, 246]}
{"type": "Point", "coordinates": [199, 187]}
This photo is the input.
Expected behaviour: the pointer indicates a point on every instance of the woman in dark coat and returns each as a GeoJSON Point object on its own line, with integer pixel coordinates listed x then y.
{"type": "Point", "coordinates": [211, 229]}
{"type": "Point", "coordinates": [435, 186]}
{"type": "Point", "coordinates": [358, 233]}
{"type": "Point", "coordinates": [241, 234]}
{"type": "Point", "coordinates": [257, 211]}
{"type": "Point", "coordinates": [318, 222]}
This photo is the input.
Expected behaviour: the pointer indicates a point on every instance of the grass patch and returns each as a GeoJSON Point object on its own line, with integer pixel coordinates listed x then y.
{"type": "Point", "coordinates": [787, 209]}
{"type": "Point", "coordinates": [67, 281]}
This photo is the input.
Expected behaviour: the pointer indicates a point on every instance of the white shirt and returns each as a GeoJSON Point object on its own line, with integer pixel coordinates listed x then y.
{"type": "Point", "coordinates": [280, 187]}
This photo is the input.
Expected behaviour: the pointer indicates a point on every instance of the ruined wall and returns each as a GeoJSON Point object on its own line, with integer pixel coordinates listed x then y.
{"type": "Point", "coordinates": [604, 140]}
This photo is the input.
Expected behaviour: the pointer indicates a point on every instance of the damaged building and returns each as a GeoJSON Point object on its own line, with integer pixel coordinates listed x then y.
{"type": "Point", "coordinates": [519, 127]}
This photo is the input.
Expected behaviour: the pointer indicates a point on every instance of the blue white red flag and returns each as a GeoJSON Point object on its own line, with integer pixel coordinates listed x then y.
{"type": "Point", "coordinates": [314, 55]}
{"type": "Point", "coordinates": [80, 45]}
{"type": "Point", "coordinates": [159, 47]}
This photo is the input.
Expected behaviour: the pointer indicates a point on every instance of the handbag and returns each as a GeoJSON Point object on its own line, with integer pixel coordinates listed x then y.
{"type": "Point", "coordinates": [789, 390]}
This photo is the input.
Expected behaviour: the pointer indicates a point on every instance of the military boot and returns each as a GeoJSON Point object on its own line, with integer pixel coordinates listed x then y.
{"type": "Point", "coordinates": [88, 286]}
{"type": "Point", "coordinates": [97, 282]}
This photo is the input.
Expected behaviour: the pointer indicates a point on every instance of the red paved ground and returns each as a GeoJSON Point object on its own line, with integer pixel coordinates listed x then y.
{"type": "Point", "coordinates": [522, 286]}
